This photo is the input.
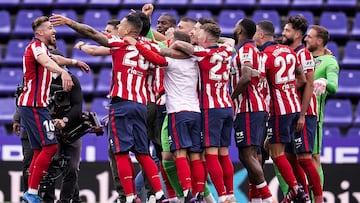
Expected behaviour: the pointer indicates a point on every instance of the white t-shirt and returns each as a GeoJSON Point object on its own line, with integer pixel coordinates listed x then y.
{"type": "Point", "coordinates": [181, 85]}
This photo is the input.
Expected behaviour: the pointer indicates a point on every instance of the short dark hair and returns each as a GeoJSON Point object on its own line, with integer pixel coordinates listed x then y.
{"type": "Point", "coordinates": [113, 22]}
{"type": "Point", "coordinates": [187, 19]}
{"type": "Point", "coordinates": [267, 26]}
{"type": "Point", "coordinates": [182, 36]}
{"type": "Point", "coordinates": [135, 22]}
{"type": "Point", "coordinates": [213, 29]}
{"type": "Point", "coordinates": [172, 19]}
{"type": "Point", "coordinates": [248, 26]}
{"type": "Point", "coordinates": [38, 22]}
{"type": "Point", "coordinates": [145, 21]}
{"type": "Point", "coordinates": [322, 33]}
{"type": "Point", "coordinates": [203, 21]}
{"type": "Point", "coordinates": [298, 22]}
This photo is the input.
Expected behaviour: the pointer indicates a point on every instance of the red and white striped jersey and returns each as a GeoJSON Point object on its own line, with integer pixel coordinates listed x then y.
{"type": "Point", "coordinates": [159, 86]}
{"type": "Point", "coordinates": [129, 71]}
{"type": "Point", "coordinates": [308, 65]}
{"type": "Point", "coordinates": [251, 99]}
{"type": "Point", "coordinates": [37, 79]}
{"type": "Point", "coordinates": [214, 65]}
{"type": "Point", "coordinates": [280, 63]}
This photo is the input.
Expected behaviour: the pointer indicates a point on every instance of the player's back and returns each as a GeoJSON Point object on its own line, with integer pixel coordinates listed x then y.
{"type": "Point", "coordinates": [280, 64]}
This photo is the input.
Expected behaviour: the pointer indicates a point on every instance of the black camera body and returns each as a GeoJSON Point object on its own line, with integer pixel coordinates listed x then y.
{"type": "Point", "coordinates": [90, 124]}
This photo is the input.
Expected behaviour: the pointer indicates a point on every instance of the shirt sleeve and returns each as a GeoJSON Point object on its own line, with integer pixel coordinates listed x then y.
{"type": "Point", "coordinates": [332, 76]}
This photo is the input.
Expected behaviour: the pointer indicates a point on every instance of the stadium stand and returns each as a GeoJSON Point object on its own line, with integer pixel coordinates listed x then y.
{"type": "Point", "coordinates": [172, 3]}
{"type": "Point", "coordinates": [64, 31]}
{"type": "Point", "coordinates": [343, 4]}
{"type": "Point", "coordinates": [158, 12]}
{"type": "Point", "coordinates": [36, 3]}
{"type": "Point", "coordinates": [332, 45]}
{"type": "Point", "coordinates": [11, 77]}
{"type": "Point", "coordinates": [23, 22]}
{"type": "Point", "coordinates": [205, 3]}
{"type": "Point", "coordinates": [14, 52]}
{"type": "Point", "coordinates": [96, 18]}
{"type": "Point", "coordinates": [103, 3]}
{"type": "Point", "coordinates": [91, 60]}
{"type": "Point", "coordinates": [103, 84]}
{"type": "Point", "coordinates": [357, 115]}
{"type": "Point", "coordinates": [239, 4]}
{"type": "Point", "coordinates": [355, 31]}
{"type": "Point", "coordinates": [86, 80]}
{"type": "Point", "coordinates": [9, 3]}
{"type": "Point", "coordinates": [196, 14]}
{"type": "Point", "coordinates": [308, 15]}
{"type": "Point", "coordinates": [351, 57]}
{"type": "Point", "coordinates": [6, 114]}
{"type": "Point", "coordinates": [338, 112]}
{"type": "Point", "coordinates": [70, 3]}
{"type": "Point", "coordinates": [335, 22]}
{"type": "Point", "coordinates": [353, 132]}
{"type": "Point", "coordinates": [5, 23]}
{"type": "Point", "coordinates": [269, 4]}
{"type": "Point", "coordinates": [271, 15]}
{"type": "Point", "coordinates": [349, 85]}
{"type": "Point", "coordinates": [228, 18]}
{"type": "Point", "coordinates": [100, 106]}
{"type": "Point", "coordinates": [307, 4]}
{"type": "Point", "coordinates": [331, 132]}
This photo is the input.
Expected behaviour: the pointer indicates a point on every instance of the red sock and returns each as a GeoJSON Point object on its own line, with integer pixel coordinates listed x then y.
{"type": "Point", "coordinates": [253, 192]}
{"type": "Point", "coordinates": [285, 170]}
{"type": "Point", "coordinates": [228, 171]}
{"type": "Point", "coordinates": [169, 189]}
{"type": "Point", "coordinates": [312, 174]}
{"type": "Point", "coordinates": [125, 172]}
{"type": "Point", "coordinates": [151, 170]}
{"type": "Point", "coordinates": [299, 174]}
{"type": "Point", "coordinates": [198, 176]}
{"type": "Point", "coordinates": [41, 164]}
{"type": "Point", "coordinates": [31, 167]}
{"type": "Point", "coordinates": [183, 171]}
{"type": "Point", "coordinates": [263, 190]}
{"type": "Point", "coordinates": [216, 173]}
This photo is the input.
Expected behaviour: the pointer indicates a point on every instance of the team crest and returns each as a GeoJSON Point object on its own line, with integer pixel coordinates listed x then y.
{"type": "Point", "coordinates": [50, 135]}
{"type": "Point", "coordinates": [317, 63]}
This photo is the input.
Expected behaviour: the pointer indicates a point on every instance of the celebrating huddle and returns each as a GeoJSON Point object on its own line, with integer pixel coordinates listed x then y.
{"type": "Point", "coordinates": [196, 88]}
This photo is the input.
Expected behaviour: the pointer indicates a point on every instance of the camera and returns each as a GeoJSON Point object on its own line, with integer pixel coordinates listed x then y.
{"type": "Point", "coordinates": [61, 98]}
{"type": "Point", "coordinates": [49, 180]}
{"type": "Point", "coordinates": [90, 124]}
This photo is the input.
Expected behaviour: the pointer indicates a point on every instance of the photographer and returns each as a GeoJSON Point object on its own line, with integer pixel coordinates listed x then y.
{"type": "Point", "coordinates": [66, 111]}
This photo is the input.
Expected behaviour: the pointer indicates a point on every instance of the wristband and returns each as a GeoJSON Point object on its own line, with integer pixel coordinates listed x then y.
{"type": "Point", "coordinates": [74, 61]}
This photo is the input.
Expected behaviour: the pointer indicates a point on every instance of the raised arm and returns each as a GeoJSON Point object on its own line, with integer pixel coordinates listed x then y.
{"type": "Point", "coordinates": [93, 50]}
{"type": "Point", "coordinates": [83, 29]}
{"type": "Point", "coordinates": [183, 46]}
{"type": "Point", "coordinates": [62, 61]}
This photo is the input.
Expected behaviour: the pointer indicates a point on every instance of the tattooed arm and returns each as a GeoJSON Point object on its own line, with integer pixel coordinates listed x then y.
{"type": "Point", "coordinates": [83, 29]}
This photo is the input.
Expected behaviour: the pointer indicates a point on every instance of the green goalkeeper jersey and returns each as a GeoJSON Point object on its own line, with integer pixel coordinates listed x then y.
{"type": "Point", "coordinates": [326, 67]}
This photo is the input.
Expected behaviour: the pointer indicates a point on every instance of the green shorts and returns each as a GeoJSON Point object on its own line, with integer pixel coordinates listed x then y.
{"type": "Point", "coordinates": [165, 139]}
{"type": "Point", "coordinates": [318, 138]}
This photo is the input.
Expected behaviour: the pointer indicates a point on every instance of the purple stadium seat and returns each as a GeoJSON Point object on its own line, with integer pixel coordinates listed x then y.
{"type": "Point", "coordinates": [104, 3]}
{"type": "Point", "coordinates": [157, 13]}
{"type": "Point", "coordinates": [196, 14]}
{"type": "Point", "coordinates": [136, 4]}
{"type": "Point", "coordinates": [172, 3]}
{"type": "Point", "coordinates": [23, 21]}
{"type": "Point", "coordinates": [351, 57]}
{"type": "Point", "coordinates": [5, 23]}
{"type": "Point", "coordinates": [100, 105]}
{"type": "Point", "coordinates": [269, 4]}
{"type": "Point", "coordinates": [338, 112]}
{"type": "Point", "coordinates": [271, 15]}
{"type": "Point", "coordinates": [355, 31]}
{"type": "Point", "coordinates": [357, 115]}
{"type": "Point", "coordinates": [342, 4]}
{"type": "Point", "coordinates": [7, 109]}
{"type": "Point", "coordinates": [103, 85]}
{"type": "Point", "coordinates": [96, 18]}
{"type": "Point", "coordinates": [91, 60]}
{"type": "Point", "coordinates": [335, 22]}
{"type": "Point", "coordinates": [70, 3]}
{"type": "Point", "coordinates": [331, 132]}
{"type": "Point", "coordinates": [307, 4]}
{"type": "Point", "coordinates": [36, 3]}
{"type": "Point", "coordinates": [122, 13]}
{"type": "Point", "coordinates": [15, 51]}
{"type": "Point", "coordinates": [309, 16]}
{"type": "Point", "coordinates": [349, 84]}
{"type": "Point", "coordinates": [239, 3]}
{"type": "Point", "coordinates": [9, 3]}
{"type": "Point", "coordinates": [353, 132]}
{"type": "Point", "coordinates": [205, 3]}
{"type": "Point", "coordinates": [65, 30]}
{"type": "Point", "coordinates": [86, 80]}
{"type": "Point", "coordinates": [227, 20]}
{"type": "Point", "coordinates": [11, 77]}
{"type": "Point", "coordinates": [334, 48]}
{"type": "Point", "coordinates": [2, 130]}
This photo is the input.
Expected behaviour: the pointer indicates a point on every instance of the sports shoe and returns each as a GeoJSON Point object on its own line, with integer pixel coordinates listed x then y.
{"type": "Point", "coordinates": [199, 198]}
{"type": "Point", "coordinates": [298, 197]}
{"type": "Point", "coordinates": [162, 199]}
{"type": "Point", "coordinates": [30, 198]}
